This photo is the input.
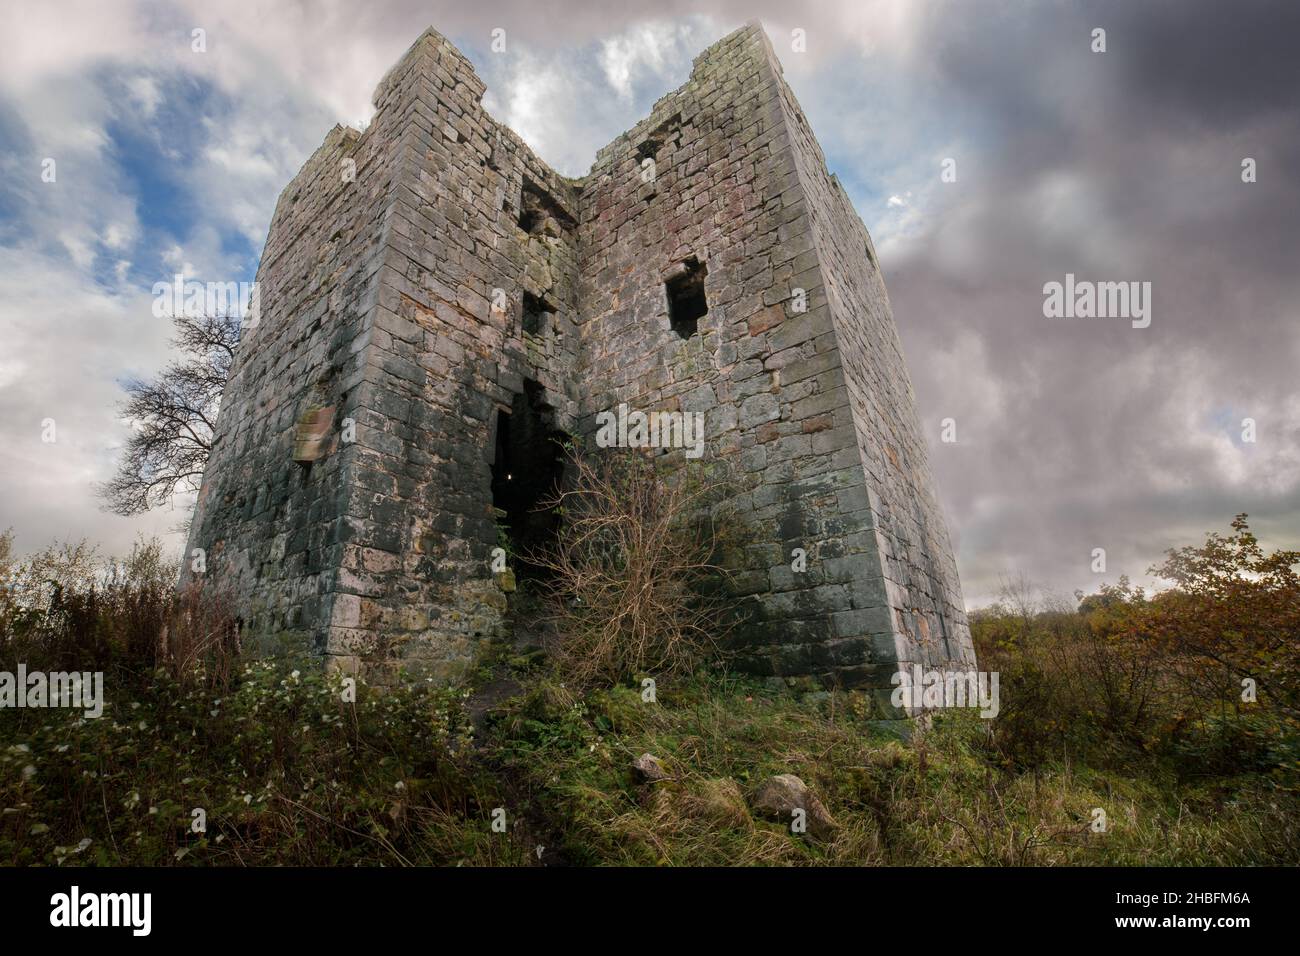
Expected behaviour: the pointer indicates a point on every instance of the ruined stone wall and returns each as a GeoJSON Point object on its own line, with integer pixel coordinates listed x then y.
{"type": "Point", "coordinates": [447, 350]}
{"type": "Point", "coordinates": [725, 195]}
{"type": "Point", "coordinates": [457, 273]}
{"type": "Point", "coordinates": [915, 612]}
{"type": "Point", "coordinates": [741, 186]}
{"type": "Point", "coordinates": [381, 308]}
{"type": "Point", "coordinates": [268, 527]}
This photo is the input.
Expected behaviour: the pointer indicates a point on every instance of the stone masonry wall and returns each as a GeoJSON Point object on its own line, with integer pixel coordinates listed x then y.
{"type": "Point", "coordinates": [267, 527]}
{"type": "Point", "coordinates": [916, 613]}
{"type": "Point", "coordinates": [741, 186]}
{"type": "Point", "coordinates": [446, 351]}
{"type": "Point", "coordinates": [395, 302]}
{"type": "Point", "coordinates": [728, 195]}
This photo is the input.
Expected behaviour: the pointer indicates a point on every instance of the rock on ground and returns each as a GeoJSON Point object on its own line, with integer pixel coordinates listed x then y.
{"type": "Point", "coordinates": [778, 797]}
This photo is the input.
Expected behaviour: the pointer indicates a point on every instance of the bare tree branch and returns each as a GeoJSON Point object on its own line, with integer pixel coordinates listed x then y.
{"type": "Point", "coordinates": [173, 417]}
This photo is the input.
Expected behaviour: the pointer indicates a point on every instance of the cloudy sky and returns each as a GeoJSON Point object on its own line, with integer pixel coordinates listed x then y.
{"type": "Point", "coordinates": [1072, 434]}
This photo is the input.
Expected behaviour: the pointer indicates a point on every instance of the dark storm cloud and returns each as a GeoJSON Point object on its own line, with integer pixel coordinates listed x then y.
{"type": "Point", "coordinates": [1213, 65]}
{"type": "Point", "coordinates": [1123, 165]}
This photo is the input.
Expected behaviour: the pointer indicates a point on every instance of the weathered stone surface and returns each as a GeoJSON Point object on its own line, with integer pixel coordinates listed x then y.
{"type": "Point", "coordinates": [395, 291]}
{"type": "Point", "coordinates": [649, 769]}
{"type": "Point", "coordinates": [778, 797]}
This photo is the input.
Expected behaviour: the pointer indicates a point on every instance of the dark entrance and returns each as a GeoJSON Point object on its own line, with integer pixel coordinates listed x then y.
{"type": "Point", "coordinates": [686, 301]}
{"type": "Point", "coordinates": [527, 470]}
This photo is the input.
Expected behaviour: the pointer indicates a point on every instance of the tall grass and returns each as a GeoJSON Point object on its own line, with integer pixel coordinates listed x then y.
{"type": "Point", "coordinates": [1124, 703]}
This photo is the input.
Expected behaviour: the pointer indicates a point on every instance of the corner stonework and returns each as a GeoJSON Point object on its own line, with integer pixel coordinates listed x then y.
{"type": "Point", "coordinates": [456, 282]}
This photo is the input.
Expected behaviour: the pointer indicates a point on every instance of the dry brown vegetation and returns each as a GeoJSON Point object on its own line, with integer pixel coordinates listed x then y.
{"type": "Point", "coordinates": [628, 589]}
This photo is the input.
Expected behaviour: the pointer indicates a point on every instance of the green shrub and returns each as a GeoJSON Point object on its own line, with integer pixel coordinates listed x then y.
{"type": "Point", "coordinates": [285, 770]}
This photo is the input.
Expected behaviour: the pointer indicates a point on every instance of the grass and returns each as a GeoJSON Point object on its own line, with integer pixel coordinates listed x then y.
{"type": "Point", "coordinates": [940, 799]}
{"type": "Point", "coordinates": [1129, 733]}
{"type": "Point", "coordinates": [287, 772]}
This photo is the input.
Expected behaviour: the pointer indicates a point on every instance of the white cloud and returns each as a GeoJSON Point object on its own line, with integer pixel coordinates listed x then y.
{"type": "Point", "coordinates": [646, 47]}
{"type": "Point", "coordinates": [116, 236]}
{"type": "Point", "coordinates": [145, 94]}
{"type": "Point", "coordinates": [75, 341]}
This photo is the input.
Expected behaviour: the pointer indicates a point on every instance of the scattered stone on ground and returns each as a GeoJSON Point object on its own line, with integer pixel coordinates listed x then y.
{"type": "Point", "coordinates": [778, 797]}
{"type": "Point", "coordinates": [649, 768]}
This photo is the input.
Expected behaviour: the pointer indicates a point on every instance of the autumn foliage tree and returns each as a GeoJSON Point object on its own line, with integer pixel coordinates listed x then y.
{"type": "Point", "coordinates": [1234, 613]}
{"type": "Point", "coordinates": [1206, 670]}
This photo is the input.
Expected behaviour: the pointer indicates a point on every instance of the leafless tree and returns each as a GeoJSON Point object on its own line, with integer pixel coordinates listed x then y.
{"type": "Point", "coordinates": [172, 417]}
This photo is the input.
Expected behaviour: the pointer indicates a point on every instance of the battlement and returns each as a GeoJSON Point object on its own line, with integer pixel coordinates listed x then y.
{"type": "Point", "coordinates": [438, 304]}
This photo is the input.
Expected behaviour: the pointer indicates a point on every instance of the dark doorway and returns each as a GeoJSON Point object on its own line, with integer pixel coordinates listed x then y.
{"type": "Point", "coordinates": [527, 471]}
{"type": "Point", "coordinates": [686, 302]}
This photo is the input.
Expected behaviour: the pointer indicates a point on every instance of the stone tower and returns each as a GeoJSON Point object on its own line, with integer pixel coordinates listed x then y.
{"type": "Point", "coordinates": [436, 302]}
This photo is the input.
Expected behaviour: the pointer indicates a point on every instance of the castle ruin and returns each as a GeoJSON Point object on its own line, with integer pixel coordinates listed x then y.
{"type": "Point", "coordinates": [437, 304]}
